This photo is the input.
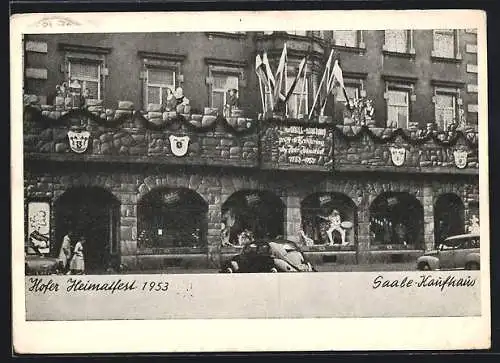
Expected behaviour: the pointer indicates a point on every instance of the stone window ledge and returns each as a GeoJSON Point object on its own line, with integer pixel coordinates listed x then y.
{"type": "Point", "coordinates": [226, 35]}
{"type": "Point", "coordinates": [410, 55]}
{"type": "Point", "coordinates": [342, 48]}
{"type": "Point", "coordinates": [457, 59]}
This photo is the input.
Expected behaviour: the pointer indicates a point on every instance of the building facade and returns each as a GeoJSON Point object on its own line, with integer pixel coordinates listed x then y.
{"type": "Point", "coordinates": [153, 186]}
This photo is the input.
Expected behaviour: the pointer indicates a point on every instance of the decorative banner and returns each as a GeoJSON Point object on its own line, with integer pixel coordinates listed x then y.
{"type": "Point", "coordinates": [460, 157]}
{"type": "Point", "coordinates": [39, 226]}
{"type": "Point", "coordinates": [179, 145]}
{"type": "Point", "coordinates": [304, 146]}
{"type": "Point", "coordinates": [78, 141]}
{"type": "Point", "coordinates": [398, 155]}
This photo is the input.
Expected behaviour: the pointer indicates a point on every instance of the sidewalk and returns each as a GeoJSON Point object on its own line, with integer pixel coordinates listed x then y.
{"type": "Point", "coordinates": [330, 267]}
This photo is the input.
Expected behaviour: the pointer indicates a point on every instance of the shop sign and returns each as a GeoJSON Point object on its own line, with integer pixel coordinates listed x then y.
{"type": "Point", "coordinates": [179, 145]}
{"type": "Point", "coordinates": [252, 198]}
{"type": "Point", "coordinates": [78, 141]}
{"type": "Point", "coordinates": [324, 199]}
{"type": "Point", "coordinates": [460, 157]}
{"type": "Point", "coordinates": [304, 145]}
{"type": "Point", "coordinates": [39, 225]}
{"type": "Point", "coordinates": [398, 155]}
{"type": "Point", "coordinates": [171, 197]}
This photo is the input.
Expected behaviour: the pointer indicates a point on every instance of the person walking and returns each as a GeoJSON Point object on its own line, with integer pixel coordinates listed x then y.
{"type": "Point", "coordinates": [65, 251]}
{"type": "Point", "coordinates": [77, 265]}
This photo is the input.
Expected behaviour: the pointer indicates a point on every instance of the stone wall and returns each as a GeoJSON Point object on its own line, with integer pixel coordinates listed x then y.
{"type": "Point", "coordinates": [129, 184]}
{"type": "Point", "coordinates": [366, 152]}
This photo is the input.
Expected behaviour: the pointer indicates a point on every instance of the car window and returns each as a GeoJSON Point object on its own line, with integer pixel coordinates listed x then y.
{"type": "Point", "coordinates": [451, 245]}
{"type": "Point", "coordinates": [473, 243]}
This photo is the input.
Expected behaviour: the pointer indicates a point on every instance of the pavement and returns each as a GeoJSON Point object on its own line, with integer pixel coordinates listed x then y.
{"type": "Point", "coordinates": [328, 267]}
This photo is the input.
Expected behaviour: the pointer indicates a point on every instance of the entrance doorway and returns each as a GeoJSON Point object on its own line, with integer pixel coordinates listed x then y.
{"type": "Point", "coordinates": [448, 217]}
{"type": "Point", "coordinates": [93, 213]}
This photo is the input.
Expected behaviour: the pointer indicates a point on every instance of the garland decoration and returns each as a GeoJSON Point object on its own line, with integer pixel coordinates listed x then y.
{"type": "Point", "coordinates": [441, 138]}
{"type": "Point", "coordinates": [137, 117]}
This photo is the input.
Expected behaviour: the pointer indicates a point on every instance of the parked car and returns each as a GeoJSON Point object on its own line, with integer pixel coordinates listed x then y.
{"type": "Point", "coordinates": [277, 255]}
{"type": "Point", "coordinates": [455, 252]}
{"type": "Point", "coordinates": [36, 263]}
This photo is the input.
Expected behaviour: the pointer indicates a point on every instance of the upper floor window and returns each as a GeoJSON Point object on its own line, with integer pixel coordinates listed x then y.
{"type": "Point", "coordinates": [225, 80]}
{"type": "Point", "coordinates": [446, 102]}
{"type": "Point", "coordinates": [399, 41]}
{"type": "Point", "coordinates": [88, 74]}
{"type": "Point", "coordinates": [221, 85]}
{"type": "Point", "coordinates": [398, 107]}
{"type": "Point", "coordinates": [353, 90]}
{"type": "Point", "coordinates": [87, 65]}
{"type": "Point", "coordinates": [158, 81]}
{"type": "Point", "coordinates": [160, 72]}
{"type": "Point", "coordinates": [445, 44]}
{"type": "Point", "coordinates": [348, 38]}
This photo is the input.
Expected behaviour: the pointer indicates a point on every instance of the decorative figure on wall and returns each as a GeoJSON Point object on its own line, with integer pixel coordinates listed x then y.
{"type": "Point", "coordinates": [460, 158]}
{"type": "Point", "coordinates": [78, 140]}
{"type": "Point", "coordinates": [231, 102]}
{"type": "Point", "coordinates": [169, 101]}
{"type": "Point", "coordinates": [182, 102]}
{"type": "Point", "coordinates": [179, 144]}
{"type": "Point", "coordinates": [398, 155]}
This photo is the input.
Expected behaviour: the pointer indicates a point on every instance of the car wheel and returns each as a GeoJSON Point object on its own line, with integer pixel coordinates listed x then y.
{"type": "Point", "coordinates": [424, 266]}
{"type": "Point", "coordinates": [472, 266]}
{"type": "Point", "coordinates": [228, 270]}
{"type": "Point", "coordinates": [274, 270]}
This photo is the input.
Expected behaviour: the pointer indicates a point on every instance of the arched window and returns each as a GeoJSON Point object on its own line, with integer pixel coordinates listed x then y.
{"type": "Point", "coordinates": [171, 217]}
{"type": "Point", "coordinates": [92, 213]}
{"type": "Point", "coordinates": [252, 214]}
{"type": "Point", "coordinates": [396, 221]}
{"type": "Point", "coordinates": [329, 218]}
{"type": "Point", "coordinates": [448, 217]}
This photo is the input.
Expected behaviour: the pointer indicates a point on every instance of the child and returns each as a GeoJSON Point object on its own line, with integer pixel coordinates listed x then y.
{"type": "Point", "coordinates": [77, 265]}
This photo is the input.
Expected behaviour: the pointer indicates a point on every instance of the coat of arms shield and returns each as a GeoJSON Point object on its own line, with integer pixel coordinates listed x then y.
{"type": "Point", "coordinates": [78, 140]}
{"type": "Point", "coordinates": [460, 157]}
{"type": "Point", "coordinates": [179, 145]}
{"type": "Point", "coordinates": [398, 155]}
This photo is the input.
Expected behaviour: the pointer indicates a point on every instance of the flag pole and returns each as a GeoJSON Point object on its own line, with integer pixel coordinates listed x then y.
{"type": "Point", "coordinates": [321, 83]}
{"type": "Point", "coordinates": [262, 96]}
{"type": "Point", "coordinates": [303, 91]}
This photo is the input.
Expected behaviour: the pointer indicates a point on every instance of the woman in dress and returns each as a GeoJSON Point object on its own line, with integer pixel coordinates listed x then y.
{"type": "Point", "coordinates": [65, 252]}
{"type": "Point", "coordinates": [77, 264]}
